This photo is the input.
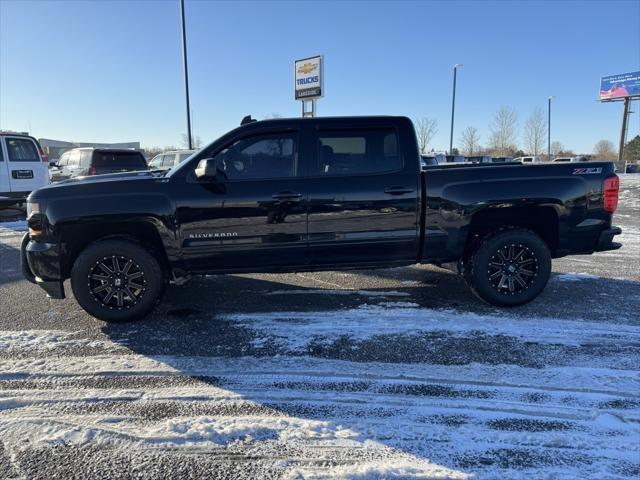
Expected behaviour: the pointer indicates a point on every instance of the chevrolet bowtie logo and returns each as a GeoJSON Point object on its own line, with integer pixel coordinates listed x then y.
{"type": "Point", "coordinates": [307, 68]}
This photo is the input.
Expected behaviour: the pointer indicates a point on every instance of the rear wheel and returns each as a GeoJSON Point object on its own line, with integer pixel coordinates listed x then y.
{"type": "Point", "coordinates": [509, 268]}
{"type": "Point", "coordinates": [117, 280]}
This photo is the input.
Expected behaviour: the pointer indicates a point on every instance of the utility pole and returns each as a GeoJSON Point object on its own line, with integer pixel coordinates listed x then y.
{"type": "Point", "coordinates": [623, 130]}
{"type": "Point", "coordinates": [549, 130]}
{"type": "Point", "coordinates": [186, 73]}
{"type": "Point", "coordinates": [453, 105]}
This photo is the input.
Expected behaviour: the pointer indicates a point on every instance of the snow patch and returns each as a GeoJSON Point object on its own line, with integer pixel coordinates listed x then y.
{"type": "Point", "coordinates": [364, 293]}
{"type": "Point", "coordinates": [575, 277]}
{"type": "Point", "coordinates": [17, 226]}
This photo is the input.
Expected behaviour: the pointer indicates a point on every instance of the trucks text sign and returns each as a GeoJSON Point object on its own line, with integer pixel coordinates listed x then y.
{"type": "Point", "coordinates": [616, 87]}
{"type": "Point", "coordinates": [308, 78]}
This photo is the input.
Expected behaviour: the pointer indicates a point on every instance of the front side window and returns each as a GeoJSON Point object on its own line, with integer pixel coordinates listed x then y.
{"type": "Point", "coordinates": [22, 150]}
{"type": "Point", "coordinates": [260, 157]}
{"type": "Point", "coordinates": [358, 152]}
{"type": "Point", "coordinates": [64, 160]}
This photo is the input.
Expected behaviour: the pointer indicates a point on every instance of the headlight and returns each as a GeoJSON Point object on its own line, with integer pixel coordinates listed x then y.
{"type": "Point", "coordinates": [32, 207]}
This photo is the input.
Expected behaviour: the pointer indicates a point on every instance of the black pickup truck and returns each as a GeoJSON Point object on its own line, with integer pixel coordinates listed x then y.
{"type": "Point", "coordinates": [309, 194]}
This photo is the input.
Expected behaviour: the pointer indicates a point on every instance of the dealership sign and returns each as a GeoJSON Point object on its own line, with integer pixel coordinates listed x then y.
{"type": "Point", "coordinates": [308, 78]}
{"type": "Point", "coordinates": [618, 87]}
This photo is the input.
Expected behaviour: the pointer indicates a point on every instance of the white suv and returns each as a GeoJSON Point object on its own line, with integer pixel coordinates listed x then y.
{"type": "Point", "coordinates": [23, 167]}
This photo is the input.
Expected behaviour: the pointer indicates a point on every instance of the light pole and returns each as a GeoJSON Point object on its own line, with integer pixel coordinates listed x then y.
{"type": "Point", "coordinates": [549, 130]}
{"type": "Point", "coordinates": [453, 104]}
{"type": "Point", "coordinates": [186, 73]}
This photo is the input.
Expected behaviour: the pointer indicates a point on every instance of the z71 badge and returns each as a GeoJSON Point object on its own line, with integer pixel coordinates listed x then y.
{"type": "Point", "coordinates": [587, 171]}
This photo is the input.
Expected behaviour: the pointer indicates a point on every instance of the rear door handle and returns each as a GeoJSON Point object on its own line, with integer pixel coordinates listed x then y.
{"type": "Point", "coordinates": [286, 196]}
{"type": "Point", "coordinates": [397, 190]}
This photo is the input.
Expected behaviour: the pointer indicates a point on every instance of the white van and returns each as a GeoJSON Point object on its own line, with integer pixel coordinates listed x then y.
{"type": "Point", "coordinates": [23, 167]}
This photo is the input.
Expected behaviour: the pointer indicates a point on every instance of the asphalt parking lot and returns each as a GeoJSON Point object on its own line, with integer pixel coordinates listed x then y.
{"type": "Point", "coordinates": [397, 373]}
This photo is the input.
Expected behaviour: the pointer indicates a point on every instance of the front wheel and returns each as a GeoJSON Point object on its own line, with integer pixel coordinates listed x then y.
{"type": "Point", "coordinates": [117, 280]}
{"type": "Point", "coordinates": [509, 268]}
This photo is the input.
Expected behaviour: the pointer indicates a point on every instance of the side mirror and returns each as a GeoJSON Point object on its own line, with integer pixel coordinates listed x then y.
{"type": "Point", "coordinates": [210, 170]}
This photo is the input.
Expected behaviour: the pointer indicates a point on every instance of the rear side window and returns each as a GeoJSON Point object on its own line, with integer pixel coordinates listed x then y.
{"type": "Point", "coordinates": [183, 156]}
{"type": "Point", "coordinates": [119, 160]}
{"type": "Point", "coordinates": [85, 158]}
{"type": "Point", "coordinates": [22, 150]}
{"type": "Point", "coordinates": [358, 152]}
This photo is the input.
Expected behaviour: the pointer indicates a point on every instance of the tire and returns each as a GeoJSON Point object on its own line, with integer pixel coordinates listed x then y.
{"type": "Point", "coordinates": [130, 292]}
{"type": "Point", "coordinates": [509, 268]}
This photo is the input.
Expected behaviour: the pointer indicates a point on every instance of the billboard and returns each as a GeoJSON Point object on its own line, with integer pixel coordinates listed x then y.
{"type": "Point", "coordinates": [308, 78]}
{"type": "Point", "coordinates": [618, 87]}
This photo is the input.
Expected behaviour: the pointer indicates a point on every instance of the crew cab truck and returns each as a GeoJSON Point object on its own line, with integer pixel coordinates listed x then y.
{"type": "Point", "coordinates": [307, 194]}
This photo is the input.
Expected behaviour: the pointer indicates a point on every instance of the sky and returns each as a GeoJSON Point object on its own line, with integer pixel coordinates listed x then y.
{"type": "Point", "coordinates": [111, 71]}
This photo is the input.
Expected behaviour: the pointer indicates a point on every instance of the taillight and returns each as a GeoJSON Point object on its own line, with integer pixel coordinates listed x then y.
{"type": "Point", "coordinates": [611, 188]}
{"type": "Point", "coordinates": [92, 170]}
{"type": "Point", "coordinates": [43, 157]}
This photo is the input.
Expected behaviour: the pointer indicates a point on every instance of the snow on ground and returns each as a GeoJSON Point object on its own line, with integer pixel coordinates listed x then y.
{"type": "Point", "coordinates": [12, 227]}
{"type": "Point", "coordinates": [570, 415]}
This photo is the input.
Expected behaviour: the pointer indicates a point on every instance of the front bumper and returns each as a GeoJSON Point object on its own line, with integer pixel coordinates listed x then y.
{"type": "Point", "coordinates": [605, 241]}
{"type": "Point", "coordinates": [40, 264]}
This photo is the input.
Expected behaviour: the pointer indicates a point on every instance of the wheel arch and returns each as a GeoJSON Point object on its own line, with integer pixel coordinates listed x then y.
{"type": "Point", "coordinates": [542, 220]}
{"type": "Point", "coordinates": [76, 238]}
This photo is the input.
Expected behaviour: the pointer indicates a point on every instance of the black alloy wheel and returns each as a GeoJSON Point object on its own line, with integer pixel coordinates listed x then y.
{"type": "Point", "coordinates": [510, 267]}
{"type": "Point", "coordinates": [117, 280]}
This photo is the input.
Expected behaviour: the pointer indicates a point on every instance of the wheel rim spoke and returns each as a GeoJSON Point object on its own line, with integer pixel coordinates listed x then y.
{"type": "Point", "coordinates": [102, 278]}
{"type": "Point", "coordinates": [100, 288]}
{"type": "Point", "coordinates": [120, 298]}
{"type": "Point", "coordinates": [109, 295]}
{"type": "Point", "coordinates": [105, 269]}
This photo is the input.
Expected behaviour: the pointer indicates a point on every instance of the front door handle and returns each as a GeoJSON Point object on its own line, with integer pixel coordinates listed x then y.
{"type": "Point", "coordinates": [397, 190]}
{"type": "Point", "coordinates": [286, 196]}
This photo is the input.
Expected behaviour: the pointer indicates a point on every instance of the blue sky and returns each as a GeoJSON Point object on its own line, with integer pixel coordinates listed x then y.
{"type": "Point", "coordinates": [108, 71]}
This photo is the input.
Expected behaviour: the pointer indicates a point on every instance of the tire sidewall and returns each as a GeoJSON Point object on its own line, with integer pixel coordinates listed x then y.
{"type": "Point", "coordinates": [154, 276]}
{"type": "Point", "coordinates": [479, 280]}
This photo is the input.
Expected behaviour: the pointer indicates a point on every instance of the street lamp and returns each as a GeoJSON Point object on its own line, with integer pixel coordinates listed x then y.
{"type": "Point", "coordinates": [453, 104]}
{"type": "Point", "coordinates": [549, 129]}
{"type": "Point", "coordinates": [186, 73]}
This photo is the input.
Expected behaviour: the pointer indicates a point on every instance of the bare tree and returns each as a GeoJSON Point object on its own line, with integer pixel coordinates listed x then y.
{"type": "Point", "coordinates": [556, 148]}
{"type": "Point", "coordinates": [604, 150]}
{"type": "Point", "coordinates": [426, 128]}
{"type": "Point", "coordinates": [470, 141]}
{"type": "Point", "coordinates": [195, 141]}
{"type": "Point", "coordinates": [535, 131]}
{"type": "Point", "coordinates": [503, 132]}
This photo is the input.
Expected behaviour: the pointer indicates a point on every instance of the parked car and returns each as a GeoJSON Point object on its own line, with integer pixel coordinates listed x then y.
{"type": "Point", "coordinates": [23, 167]}
{"type": "Point", "coordinates": [455, 159]}
{"type": "Point", "coordinates": [167, 160]}
{"type": "Point", "coordinates": [429, 160]}
{"type": "Point", "coordinates": [80, 162]}
{"type": "Point", "coordinates": [530, 159]}
{"type": "Point", "coordinates": [287, 195]}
